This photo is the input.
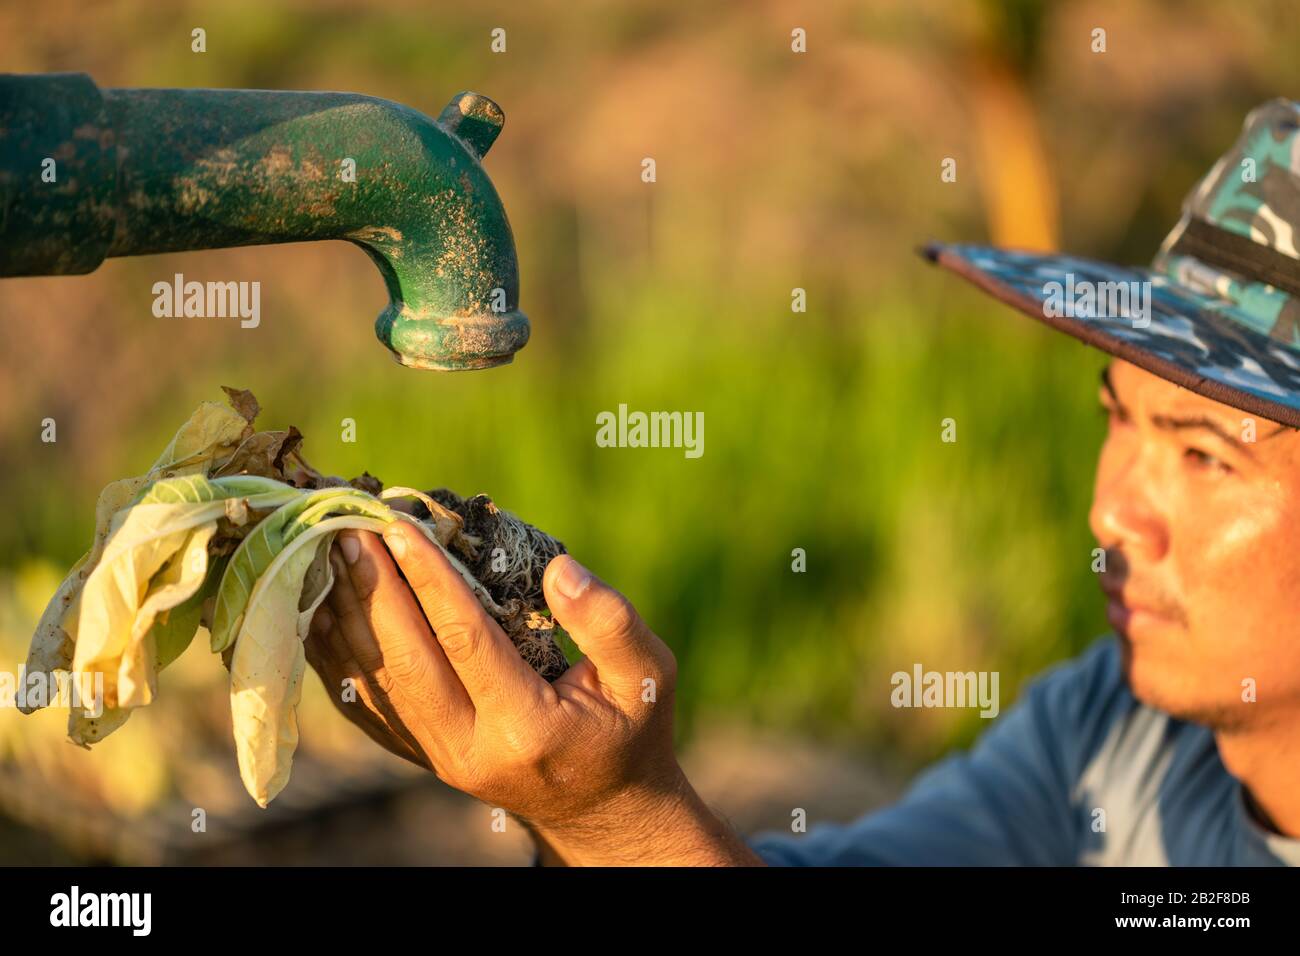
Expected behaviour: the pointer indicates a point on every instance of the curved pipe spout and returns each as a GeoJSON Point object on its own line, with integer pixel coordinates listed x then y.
{"type": "Point", "coordinates": [175, 170]}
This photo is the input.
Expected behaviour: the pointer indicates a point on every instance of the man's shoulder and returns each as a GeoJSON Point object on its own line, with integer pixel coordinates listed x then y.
{"type": "Point", "coordinates": [1090, 683]}
{"type": "Point", "coordinates": [1095, 671]}
{"type": "Point", "coordinates": [1086, 705]}
{"type": "Point", "coordinates": [1014, 797]}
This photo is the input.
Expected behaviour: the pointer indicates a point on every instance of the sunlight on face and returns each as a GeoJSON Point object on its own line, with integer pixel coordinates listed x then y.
{"type": "Point", "coordinates": [1201, 527]}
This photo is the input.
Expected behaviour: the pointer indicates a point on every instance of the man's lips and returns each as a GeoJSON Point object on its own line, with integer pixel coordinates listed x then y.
{"type": "Point", "coordinates": [1125, 613]}
{"type": "Point", "coordinates": [1119, 617]}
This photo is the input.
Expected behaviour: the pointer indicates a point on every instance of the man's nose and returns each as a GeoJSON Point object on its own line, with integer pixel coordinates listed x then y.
{"type": "Point", "coordinates": [1124, 514]}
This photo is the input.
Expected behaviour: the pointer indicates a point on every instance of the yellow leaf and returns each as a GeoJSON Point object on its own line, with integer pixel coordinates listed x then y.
{"type": "Point", "coordinates": [267, 665]}
{"type": "Point", "coordinates": [110, 635]}
{"type": "Point", "coordinates": [212, 430]}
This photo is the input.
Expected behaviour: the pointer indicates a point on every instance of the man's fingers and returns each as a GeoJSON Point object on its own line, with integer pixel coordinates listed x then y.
{"type": "Point", "coordinates": [372, 688]}
{"type": "Point", "coordinates": [362, 709]}
{"type": "Point", "coordinates": [390, 639]}
{"type": "Point", "coordinates": [606, 628]}
{"type": "Point", "coordinates": [393, 611]}
{"type": "Point", "coordinates": [487, 663]}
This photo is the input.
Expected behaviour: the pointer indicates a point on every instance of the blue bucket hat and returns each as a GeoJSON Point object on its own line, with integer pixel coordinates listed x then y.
{"type": "Point", "coordinates": [1218, 312]}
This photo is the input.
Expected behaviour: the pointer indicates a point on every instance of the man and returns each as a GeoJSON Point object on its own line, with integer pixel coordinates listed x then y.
{"type": "Point", "coordinates": [1174, 741]}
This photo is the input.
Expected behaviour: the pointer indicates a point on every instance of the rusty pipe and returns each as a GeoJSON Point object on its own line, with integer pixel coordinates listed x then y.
{"type": "Point", "coordinates": [142, 171]}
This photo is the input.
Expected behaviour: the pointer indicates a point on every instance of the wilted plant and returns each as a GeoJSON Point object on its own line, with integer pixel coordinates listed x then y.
{"type": "Point", "coordinates": [230, 531]}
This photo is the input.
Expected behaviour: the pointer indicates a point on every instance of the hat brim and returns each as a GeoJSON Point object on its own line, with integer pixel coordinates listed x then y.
{"type": "Point", "coordinates": [1203, 343]}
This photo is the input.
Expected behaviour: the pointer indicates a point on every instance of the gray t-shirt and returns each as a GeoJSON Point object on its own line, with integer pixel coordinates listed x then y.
{"type": "Point", "coordinates": [1077, 772]}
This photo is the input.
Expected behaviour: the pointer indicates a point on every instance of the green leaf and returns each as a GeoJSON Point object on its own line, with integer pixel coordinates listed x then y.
{"type": "Point", "coordinates": [256, 552]}
{"type": "Point", "coordinates": [190, 489]}
{"type": "Point", "coordinates": [174, 634]}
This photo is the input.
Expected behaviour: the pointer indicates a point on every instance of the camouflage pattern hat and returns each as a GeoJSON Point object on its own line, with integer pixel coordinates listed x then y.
{"type": "Point", "coordinates": [1218, 312]}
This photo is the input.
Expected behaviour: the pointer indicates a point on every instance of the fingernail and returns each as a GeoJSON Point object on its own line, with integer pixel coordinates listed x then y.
{"type": "Point", "coordinates": [572, 580]}
{"type": "Point", "coordinates": [350, 547]}
{"type": "Point", "coordinates": [396, 543]}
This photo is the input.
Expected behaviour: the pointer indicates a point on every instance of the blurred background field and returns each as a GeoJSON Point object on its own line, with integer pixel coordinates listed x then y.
{"type": "Point", "coordinates": [822, 429]}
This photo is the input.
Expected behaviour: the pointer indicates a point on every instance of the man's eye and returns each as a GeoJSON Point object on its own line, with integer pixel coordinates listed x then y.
{"type": "Point", "coordinates": [1202, 459]}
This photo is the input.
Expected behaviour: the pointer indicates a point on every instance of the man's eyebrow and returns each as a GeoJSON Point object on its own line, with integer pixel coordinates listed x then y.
{"type": "Point", "coordinates": [1199, 421]}
{"type": "Point", "coordinates": [1208, 424]}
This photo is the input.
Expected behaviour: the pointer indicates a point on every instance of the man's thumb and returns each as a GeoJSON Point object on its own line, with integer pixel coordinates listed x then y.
{"type": "Point", "coordinates": [603, 623]}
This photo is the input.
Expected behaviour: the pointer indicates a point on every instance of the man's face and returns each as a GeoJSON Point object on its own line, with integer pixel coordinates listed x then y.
{"type": "Point", "coordinates": [1202, 536]}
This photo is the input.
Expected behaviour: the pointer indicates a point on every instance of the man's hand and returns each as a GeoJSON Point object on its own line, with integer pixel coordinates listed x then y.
{"type": "Point", "coordinates": [587, 761]}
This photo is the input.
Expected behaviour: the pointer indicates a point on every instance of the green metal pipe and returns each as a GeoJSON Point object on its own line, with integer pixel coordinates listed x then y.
{"type": "Point", "coordinates": [142, 171]}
